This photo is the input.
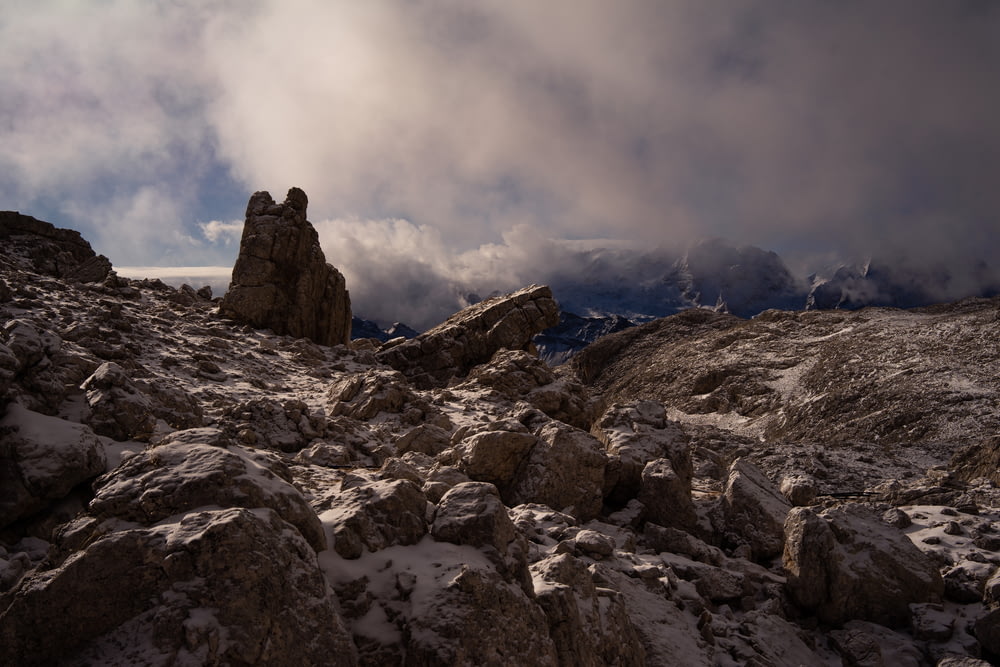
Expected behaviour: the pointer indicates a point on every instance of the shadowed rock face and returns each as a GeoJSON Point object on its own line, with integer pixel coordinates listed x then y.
{"type": "Point", "coordinates": [472, 336]}
{"type": "Point", "coordinates": [281, 280]}
{"type": "Point", "coordinates": [61, 253]}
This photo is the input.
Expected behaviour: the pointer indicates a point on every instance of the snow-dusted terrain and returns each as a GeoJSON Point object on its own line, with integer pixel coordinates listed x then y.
{"type": "Point", "coordinates": [805, 488]}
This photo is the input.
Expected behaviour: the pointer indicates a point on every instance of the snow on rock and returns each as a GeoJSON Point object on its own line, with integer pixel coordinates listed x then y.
{"type": "Point", "coordinates": [471, 336]}
{"type": "Point", "coordinates": [179, 477]}
{"type": "Point", "coordinates": [479, 507]}
{"type": "Point", "coordinates": [118, 409]}
{"type": "Point", "coordinates": [233, 586]}
{"type": "Point", "coordinates": [44, 458]}
{"type": "Point", "coordinates": [565, 470]}
{"type": "Point", "coordinates": [368, 513]}
{"type": "Point", "coordinates": [843, 564]}
{"type": "Point", "coordinates": [437, 603]}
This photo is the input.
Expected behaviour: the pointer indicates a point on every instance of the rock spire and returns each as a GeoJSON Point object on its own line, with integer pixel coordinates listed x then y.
{"type": "Point", "coordinates": [281, 280]}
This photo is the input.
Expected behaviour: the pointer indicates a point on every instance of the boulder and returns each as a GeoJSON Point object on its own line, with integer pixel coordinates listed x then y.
{"type": "Point", "coordinates": [281, 280]}
{"type": "Point", "coordinates": [180, 477]}
{"type": "Point", "coordinates": [753, 510]}
{"type": "Point", "coordinates": [472, 336]}
{"type": "Point", "coordinates": [41, 460]}
{"type": "Point", "coordinates": [590, 626]}
{"type": "Point", "coordinates": [374, 514]}
{"type": "Point", "coordinates": [635, 434]}
{"type": "Point", "coordinates": [365, 394]}
{"type": "Point", "coordinates": [495, 456]}
{"type": "Point", "coordinates": [230, 586]}
{"type": "Point", "coordinates": [667, 495]}
{"type": "Point", "coordinates": [844, 564]}
{"type": "Point", "coordinates": [117, 408]}
{"type": "Point", "coordinates": [520, 376]}
{"type": "Point", "coordinates": [565, 471]}
{"type": "Point", "coordinates": [472, 513]}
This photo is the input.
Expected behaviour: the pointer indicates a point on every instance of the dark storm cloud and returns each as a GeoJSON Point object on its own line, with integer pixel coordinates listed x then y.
{"type": "Point", "coordinates": [821, 128]}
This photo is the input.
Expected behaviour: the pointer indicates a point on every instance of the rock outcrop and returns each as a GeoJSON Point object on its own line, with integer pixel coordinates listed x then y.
{"type": "Point", "coordinates": [843, 564]}
{"type": "Point", "coordinates": [473, 335]}
{"type": "Point", "coordinates": [61, 253]}
{"type": "Point", "coordinates": [281, 280]}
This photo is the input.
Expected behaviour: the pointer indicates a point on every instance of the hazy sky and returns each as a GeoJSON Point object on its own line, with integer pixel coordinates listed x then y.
{"type": "Point", "coordinates": [422, 130]}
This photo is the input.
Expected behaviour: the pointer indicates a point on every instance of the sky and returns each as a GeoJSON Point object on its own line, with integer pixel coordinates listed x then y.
{"type": "Point", "coordinates": [448, 143]}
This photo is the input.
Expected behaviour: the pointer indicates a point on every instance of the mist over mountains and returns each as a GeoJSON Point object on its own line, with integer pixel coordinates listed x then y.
{"type": "Point", "coordinates": [598, 279]}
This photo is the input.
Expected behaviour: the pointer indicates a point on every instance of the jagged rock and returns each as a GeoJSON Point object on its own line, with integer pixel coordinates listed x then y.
{"type": "Point", "coordinates": [232, 586]}
{"type": "Point", "coordinates": [425, 438]}
{"type": "Point", "coordinates": [9, 365]}
{"type": "Point", "coordinates": [798, 488]}
{"type": "Point", "coordinates": [496, 455]}
{"type": "Point", "coordinates": [519, 376]}
{"type": "Point", "coordinates": [117, 408]}
{"type": "Point", "coordinates": [842, 564]}
{"type": "Point", "coordinates": [375, 514]}
{"type": "Point", "coordinates": [286, 427]}
{"type": "Point", "coordinates": [565, 470]}
{"type": "Point", "coordinates": [41, 460]}
{"type": "Point", "coordinates": [281, 280]}
{"type": "Point", "coordinates": [61, 253]}
{"type": "Point", "coordinates": [713, 583]}
{"type": "Point", "coordinates": [365, 394]}
{"type": "Point", "coordinates": [676, 541]}
{"type": "Point", "coordinates": [863, 643]}
{"type": "Point", "coordinates": [589, 626]}
{"type": "Point", "coordinates": [180, 477]}
{"type": "Point", "coordinates": [754, 510]}
{"type": "Point", "coordinates": [988, 632]}
{"type": "Point", "coordinates": [666, 495]}
{"type": "Point", "coordinates": [472, 336]}
{"type": "Point", "coordinates": [472, 513]}
{"type": "Point", "coordinates": [634, 435]}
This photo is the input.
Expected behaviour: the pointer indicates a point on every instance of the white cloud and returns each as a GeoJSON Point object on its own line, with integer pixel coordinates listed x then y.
{"type": "Point", "coordinates": [217, 231]}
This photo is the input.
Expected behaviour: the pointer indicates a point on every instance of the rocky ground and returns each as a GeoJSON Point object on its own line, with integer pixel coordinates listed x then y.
{"type": "Point", "coordinates": [179, 488]}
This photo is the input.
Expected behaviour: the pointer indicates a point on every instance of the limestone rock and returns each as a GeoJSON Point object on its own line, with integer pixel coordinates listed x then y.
{"type": "Point", "coordinates": [473, 335]}
{"type": "Point", "coordinates": [281, 280]}
{"type": "Point", "coordinates": [754, 510]}
{"type": "Point", "coordinates": [519, 376]}
{"type": "Point", "coordinates": [232, 586]}
{"type": "Point", "coordinates": [667, 495]}
{"type": "Point", "coordinates": [61, 253]}
{"type": "Point", "coordinates": [364, 394]}
{"type": "Point", "coordinates": [564, 471]}
{"type": "Point", "coordinates": [118, 409]}
{"type": "Point", "coordinates": [180, 477]}
{"type": "Point", "coordinates": [41, 459]}
{"type": "Point", "coordinates": [472, 513]}
{"type": "Point", "coordinates": [635, 434]}
{"type": "Point", "coordinates": [589, 626]}
{"type": "Point", "coordinates": [495, 456]}
{"type": "Point", "coordinates": [375, 514]}
{"type": "Point", "coordinates": [843, 564]}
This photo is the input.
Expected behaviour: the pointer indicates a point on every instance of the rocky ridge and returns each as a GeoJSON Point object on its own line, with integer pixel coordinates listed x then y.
{"type": "Point", "coordinates": [192, 490]}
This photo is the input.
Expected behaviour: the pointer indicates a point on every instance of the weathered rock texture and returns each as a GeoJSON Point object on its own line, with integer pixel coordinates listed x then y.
{"type": "Point", "coordinates": [61, 253]}
{"type": "Point", "coordinates": [281, 280]}
{"type": "Point", "coordinates": [843, 564]}
{"type": "Point", "coordinates": [472, 336]}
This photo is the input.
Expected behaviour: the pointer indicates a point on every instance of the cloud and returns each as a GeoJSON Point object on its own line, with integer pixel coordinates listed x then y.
{"type": "Point", "coordinates": [216, 231]}
{"type": "Point", "coordinates": [804, 127]}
